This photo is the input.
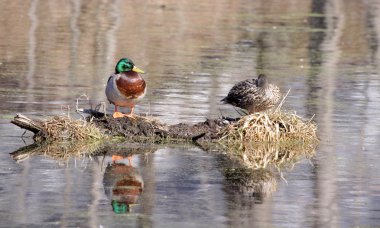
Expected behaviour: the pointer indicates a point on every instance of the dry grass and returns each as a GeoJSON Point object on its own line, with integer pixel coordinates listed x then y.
{"type": "Point", "coordinates": [65, 128]}
{"type": "Point", "coordinates": [278, 126]}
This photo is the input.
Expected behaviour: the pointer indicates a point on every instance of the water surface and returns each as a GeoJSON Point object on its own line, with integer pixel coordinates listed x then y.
{"type": "Point", "coordinates": [326, 52]}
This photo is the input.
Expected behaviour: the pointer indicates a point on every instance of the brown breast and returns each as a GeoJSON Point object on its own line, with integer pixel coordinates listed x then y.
{"type": "Point", "coordinates": [131, 84]}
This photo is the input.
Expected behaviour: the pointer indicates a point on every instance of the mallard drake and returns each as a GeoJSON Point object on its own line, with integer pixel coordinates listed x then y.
{"type": "Point", "coordinates": [254, 95]}
{"type": "Point", "coordinates": [125, 87]}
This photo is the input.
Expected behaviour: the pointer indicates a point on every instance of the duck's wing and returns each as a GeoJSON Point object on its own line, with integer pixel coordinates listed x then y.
{"type": "Point", "coordinates": [239, 92]}
{"type": "Point", "coordinates": [110, 89]}
{"type": "Point", "coordinates": [109, 79]}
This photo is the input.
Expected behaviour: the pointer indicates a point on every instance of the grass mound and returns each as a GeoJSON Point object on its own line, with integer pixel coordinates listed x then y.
{"type": "Point", "coordinates": [65, 128]}
{"type": "Point", "coordinates": [278, 126]}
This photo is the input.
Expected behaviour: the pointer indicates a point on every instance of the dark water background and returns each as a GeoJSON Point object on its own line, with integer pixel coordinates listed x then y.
{"type": "Point", "coordinates": [327, 52]}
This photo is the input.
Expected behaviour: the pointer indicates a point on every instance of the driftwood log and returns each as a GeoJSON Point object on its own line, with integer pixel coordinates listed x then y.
{"type": "Point", "coordinates": [136, 129]}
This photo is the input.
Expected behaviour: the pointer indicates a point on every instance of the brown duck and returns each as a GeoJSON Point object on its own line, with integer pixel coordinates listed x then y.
{"type": "Point", "coordinates": [254, 95]}
{"type": "Point", "coordinates": [125, 87]}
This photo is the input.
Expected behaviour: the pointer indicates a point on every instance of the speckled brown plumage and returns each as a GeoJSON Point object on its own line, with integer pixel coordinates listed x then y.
{"type": "Point", "coordinates": [254, 95]}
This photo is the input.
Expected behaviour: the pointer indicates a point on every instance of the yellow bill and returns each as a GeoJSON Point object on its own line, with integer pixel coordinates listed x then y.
{"type": "Point", "coordinates": [135, 69]}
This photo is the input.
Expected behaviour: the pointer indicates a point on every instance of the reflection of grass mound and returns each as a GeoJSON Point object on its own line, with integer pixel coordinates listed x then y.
{"type": "Point", "coordinates": [65, 128]}
{"type": "Point", "coordinates": [260, 182]}
{"type": "Point", "coordinates": [65, 150]}
{"type": "Point", "coordinates": [62, 150]}
{"type": "Point", "coordinates": [270, 127]}
{"type": "Point", "coordinates": [264, 155]}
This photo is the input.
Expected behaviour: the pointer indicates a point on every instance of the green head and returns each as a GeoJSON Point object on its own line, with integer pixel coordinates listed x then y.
{"type": "Point", "coordinates": [125, 65]}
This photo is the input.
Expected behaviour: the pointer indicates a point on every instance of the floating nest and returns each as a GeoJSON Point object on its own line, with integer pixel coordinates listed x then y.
{"type": "Point", "coordinates": [278, 126]}
{"type": "Point", "coordinates": [262, 140]}
{"type": "Point", "coordinates": [275, 126]}
{"type": "Point", "coordinates": [258, 140]}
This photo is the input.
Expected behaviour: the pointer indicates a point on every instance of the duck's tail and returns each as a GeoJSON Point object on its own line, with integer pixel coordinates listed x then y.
{"type": "Point", "coordinates": [224, 100]}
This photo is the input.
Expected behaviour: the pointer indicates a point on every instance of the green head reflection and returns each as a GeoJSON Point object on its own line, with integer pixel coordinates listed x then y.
{"type": "Point", "coordinates": [119, 207]}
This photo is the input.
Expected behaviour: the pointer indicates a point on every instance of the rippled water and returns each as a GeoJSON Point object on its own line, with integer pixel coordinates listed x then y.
{"type": "Point", "coordinates": [327, 52]}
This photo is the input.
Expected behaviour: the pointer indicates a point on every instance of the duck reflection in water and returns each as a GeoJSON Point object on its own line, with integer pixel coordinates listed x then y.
{"type": "Point", "coordinates": [123, 184]}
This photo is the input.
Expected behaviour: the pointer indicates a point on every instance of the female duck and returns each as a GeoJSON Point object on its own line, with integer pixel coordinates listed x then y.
{"type": "Point", "coordinates": [125, 87]}
{"type": "Point", "coordinates": [254, 95]}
